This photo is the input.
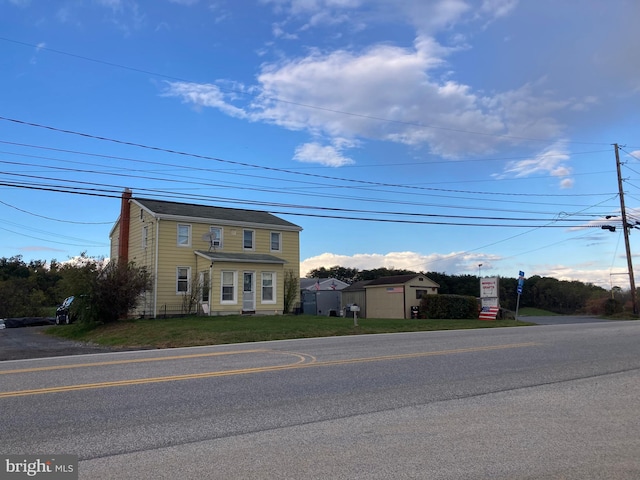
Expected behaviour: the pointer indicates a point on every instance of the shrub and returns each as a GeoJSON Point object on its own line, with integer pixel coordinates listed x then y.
{"type": "Point", "coordinates": [113, 292]}
{"type": "Point", "coordinates": [612, 306]}
{"type": "Point", "coordinates": [448, 306]}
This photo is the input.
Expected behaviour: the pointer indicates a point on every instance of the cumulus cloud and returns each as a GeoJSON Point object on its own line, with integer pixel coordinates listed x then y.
{"type": "Point", "coordinates": [326, 155]}
{"type": "Point", "coordinates": [383, 92]}
{"type": "Point", "coordinates": [550, 161]}
{"type": "Point", "coordinates": [452, 262]}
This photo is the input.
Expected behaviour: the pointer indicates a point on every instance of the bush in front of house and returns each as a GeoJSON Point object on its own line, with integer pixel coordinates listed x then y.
{"type": "Point", "coordinates": [448, 306]}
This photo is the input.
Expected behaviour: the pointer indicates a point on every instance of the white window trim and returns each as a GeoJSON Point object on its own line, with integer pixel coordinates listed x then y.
{"type": "Point", "coordinates": [235, 288]}
{"type": "Point", "coordinates": [145, 236]}
{"type": "Point", "coordinates": [221, 235]}
{"type": "Point", "coordinates": [279, 249]}
{"type": "Point", "coordinates": [188, 244]}
{"type": "Point", "coordinates": [273, 288]}
{"type": "Point", "coordinates": [253, 239]}
{"type": "Point", "coordinates": [178, 291]}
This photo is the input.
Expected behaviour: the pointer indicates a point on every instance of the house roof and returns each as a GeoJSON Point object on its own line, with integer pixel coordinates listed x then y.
{"type": "Point", "coordinates": [397, 279]}
{"type": "Point", "coordinates": [323, 284]}
{"type": "Point", "coordinates": [355, 286]}
{"type": "Point", "coordinates": [240, 257]}
{"type": "Point", "coordinates": [222, 215]}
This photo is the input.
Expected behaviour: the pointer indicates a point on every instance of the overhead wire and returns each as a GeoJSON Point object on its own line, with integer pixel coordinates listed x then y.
{"type": "Point", "coordinates": [281, 100]}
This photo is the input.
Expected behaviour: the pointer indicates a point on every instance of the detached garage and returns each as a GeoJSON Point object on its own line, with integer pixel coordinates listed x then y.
{"type": "Point", "coordinates": [393, 297]}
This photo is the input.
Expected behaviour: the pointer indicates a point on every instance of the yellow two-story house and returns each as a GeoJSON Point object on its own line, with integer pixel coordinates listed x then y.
{"type": "Point", "coordinates": [205, 259]}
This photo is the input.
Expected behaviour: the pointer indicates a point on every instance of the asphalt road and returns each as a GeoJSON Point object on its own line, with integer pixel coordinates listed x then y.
{"type": "Point", "coordinates": [542, 402]}
{"type": "Point", "coordinates": [30, 342]}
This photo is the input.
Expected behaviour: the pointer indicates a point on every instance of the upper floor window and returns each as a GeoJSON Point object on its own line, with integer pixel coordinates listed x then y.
{"type": "Point", "coordinates": [184, 235]}
{"type": "Point", "coordinates": [276, 241]}
{"type": "Point", "coordinates": [216, 237]}
{"type": "Point", "coordinates": [145, 236]}
{"type": "Point", "coordinates": [248, 239]}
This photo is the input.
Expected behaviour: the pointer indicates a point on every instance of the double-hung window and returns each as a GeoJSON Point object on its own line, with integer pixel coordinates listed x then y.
{"type": "Point", "coordinates": [216, 237]}
{"type": "Point", "coordinates": [184, 235]}
{"type": "Point", "coordinates": [228, 287]}
{"type": "Point", "coordinates": [276, 241]}
{"type": "Point", "coordinates": [145, 236]}
{"type": "Point", "coordinates": [268, 287]}
{"type": "Point", "coordinates": [182, 279]}
{"type": "Point", "coordinates": [248, 239]}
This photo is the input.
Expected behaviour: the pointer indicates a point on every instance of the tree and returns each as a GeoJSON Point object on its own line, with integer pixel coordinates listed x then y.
{"type": "Point", "coordinates": [344, 274]}
{"type": "Point", "coordinates": [112, 293]}
{"type": "Point", "coordinates": [291, 288]}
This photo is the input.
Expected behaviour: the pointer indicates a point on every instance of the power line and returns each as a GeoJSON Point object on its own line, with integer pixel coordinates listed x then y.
{"type": "Point", "coordinates": [244, 164]}
{"type": "Point", "coordinates": [346, 217]}
{"type": "Point", "coordinates": [54, 219]}
{"type": "Point", "coordinates": [288, 102]}
{"type": "Point", "coordinates": [172, 179]}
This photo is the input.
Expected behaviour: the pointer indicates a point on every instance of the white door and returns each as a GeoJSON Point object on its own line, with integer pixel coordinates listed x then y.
{"type": "Point", "coordinates": [248, 292]}
{"type": "Point", "coordinates": [204, 286]}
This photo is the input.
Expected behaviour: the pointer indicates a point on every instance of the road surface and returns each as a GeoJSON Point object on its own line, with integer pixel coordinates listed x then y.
{"type": "Point", "coordinates": [541, 402]}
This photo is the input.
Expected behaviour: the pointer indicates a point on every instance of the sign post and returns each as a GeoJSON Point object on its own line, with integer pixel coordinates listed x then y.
{"type": "Point", "coordinates": [520, 284]}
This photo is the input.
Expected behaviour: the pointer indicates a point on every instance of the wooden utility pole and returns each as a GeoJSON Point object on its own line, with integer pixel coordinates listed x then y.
{"type": "Point", "coordinates": [626, 226]}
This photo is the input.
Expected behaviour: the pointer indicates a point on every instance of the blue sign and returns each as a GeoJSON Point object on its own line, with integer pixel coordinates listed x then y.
{"type": "Point", "coordinates": [520, 282]}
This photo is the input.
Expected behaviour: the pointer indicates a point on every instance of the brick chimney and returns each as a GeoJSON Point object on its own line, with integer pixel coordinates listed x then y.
{"type": "Point", "coordinates": [125, 220]}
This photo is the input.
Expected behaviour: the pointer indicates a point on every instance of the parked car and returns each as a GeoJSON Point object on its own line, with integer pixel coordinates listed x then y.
{"type": "Point", "coordinates": [64, 316]}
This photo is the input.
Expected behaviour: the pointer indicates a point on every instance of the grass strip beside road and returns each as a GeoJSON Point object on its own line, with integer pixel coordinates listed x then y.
{"type": "Point", "coordinates": [195, 331]}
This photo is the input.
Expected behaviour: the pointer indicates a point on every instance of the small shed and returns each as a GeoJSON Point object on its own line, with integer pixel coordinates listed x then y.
{"type": "Point", "coordinates": [355, 294]}
{"type": "Point", "coordinates": [321, 296]}
{"type": "Point", "coordinates": [393, 297]}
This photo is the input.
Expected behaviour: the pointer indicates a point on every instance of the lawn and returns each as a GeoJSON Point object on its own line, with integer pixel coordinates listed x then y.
{"type": "Point", "coordinates": [193, 331]}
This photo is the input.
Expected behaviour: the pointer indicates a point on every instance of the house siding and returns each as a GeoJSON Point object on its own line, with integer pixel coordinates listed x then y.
{"type": "Point", "coordinates": [394, 300]}
{"type": "Point", "coordinates": [162, 256]}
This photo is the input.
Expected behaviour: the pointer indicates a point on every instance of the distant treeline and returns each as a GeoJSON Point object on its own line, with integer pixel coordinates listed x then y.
{"type": "Point", "coordinates": [35, 288]}
{"type": "Point", "coordinates": [559, 296]}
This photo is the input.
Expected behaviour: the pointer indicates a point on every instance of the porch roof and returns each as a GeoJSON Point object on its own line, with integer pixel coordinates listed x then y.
{"type": "Point", "coordinates": [240, 257]}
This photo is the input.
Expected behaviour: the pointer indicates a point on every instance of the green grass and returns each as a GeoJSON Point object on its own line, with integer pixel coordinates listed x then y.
{"type": "Point", "coordinates": [193, 331]}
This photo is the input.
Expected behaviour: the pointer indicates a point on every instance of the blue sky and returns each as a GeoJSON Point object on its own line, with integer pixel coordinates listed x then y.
{"type": "Point", "coordinates": [428, 135]}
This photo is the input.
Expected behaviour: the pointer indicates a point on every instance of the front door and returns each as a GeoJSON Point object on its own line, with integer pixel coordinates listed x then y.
{"type": "Point", "coordinates": [248, 292]}
{"type": "Point", "coordinates": [204, 287]}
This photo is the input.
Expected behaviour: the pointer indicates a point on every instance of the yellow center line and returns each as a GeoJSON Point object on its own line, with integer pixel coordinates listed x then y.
{"type": "Point", "coordinates": [302, 363]}
{"type": "Point", "coordinates": [138, 360]}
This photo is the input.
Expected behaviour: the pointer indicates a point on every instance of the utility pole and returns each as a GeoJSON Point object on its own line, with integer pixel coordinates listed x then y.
{"type": "Point", "coordinates": [625, 227]}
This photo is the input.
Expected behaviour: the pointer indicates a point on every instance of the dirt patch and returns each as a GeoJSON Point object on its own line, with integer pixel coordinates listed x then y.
{"type": "Point", "coordinates": [32, 342]}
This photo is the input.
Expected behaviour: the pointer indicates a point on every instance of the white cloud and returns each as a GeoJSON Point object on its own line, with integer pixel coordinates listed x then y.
{"type": "Point", "coordinates": [551, 161]}
{"type": "Point", "coordinates": [326, 155]}
{"type": "Point", "coordinates": [405, 95]}
{"type": "Point", "coordinates": [498, 8]}
{"type": "Point", "coordinates": [635, 154]}
{"type": "Point", "coordinates": [461, 263]}
{"type": "Point", "coordinates": [386, 93]}
{"type": "Point", "coordinates": [567, 183]}
{"type": "Point", "coordinates": [452, 262]}
{"type": "Point", "coordinates": [205, 95]}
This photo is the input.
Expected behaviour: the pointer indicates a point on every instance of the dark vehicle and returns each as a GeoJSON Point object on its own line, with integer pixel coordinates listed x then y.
{"type": "Point", "coordinates": [63, 312]}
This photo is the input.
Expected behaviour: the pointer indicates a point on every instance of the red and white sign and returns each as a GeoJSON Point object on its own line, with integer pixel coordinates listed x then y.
{"type": "Point", "coordinates": [489, 313]}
